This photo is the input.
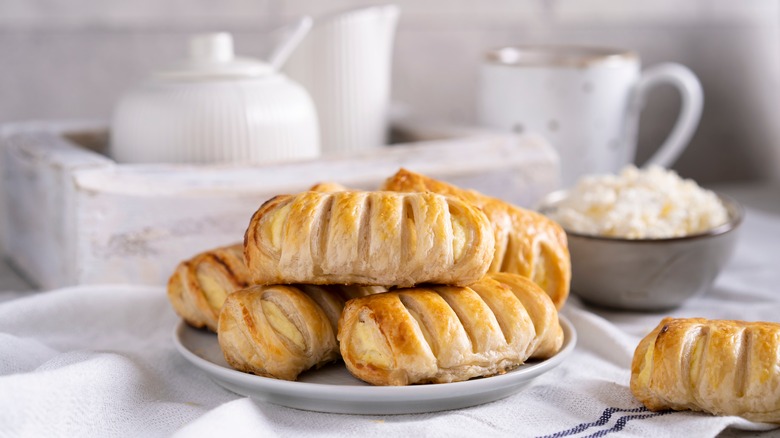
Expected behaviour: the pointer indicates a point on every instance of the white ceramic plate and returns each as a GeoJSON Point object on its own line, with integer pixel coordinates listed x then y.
{"type": "Point", "coordinates": [333, 389]}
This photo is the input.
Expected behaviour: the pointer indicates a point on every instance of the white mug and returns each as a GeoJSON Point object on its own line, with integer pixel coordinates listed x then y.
{"type": "Point", "coordinates": [586, 101]}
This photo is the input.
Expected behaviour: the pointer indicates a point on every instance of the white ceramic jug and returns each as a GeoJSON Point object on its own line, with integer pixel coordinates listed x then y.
{"type": "Point", "coordinates": [345, 64]}
{"type": "Point", "coordinates": [215, 108]}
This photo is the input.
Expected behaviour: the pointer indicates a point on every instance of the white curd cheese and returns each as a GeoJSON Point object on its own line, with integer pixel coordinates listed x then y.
{"type": "Point", "coordinates": [650, 203]}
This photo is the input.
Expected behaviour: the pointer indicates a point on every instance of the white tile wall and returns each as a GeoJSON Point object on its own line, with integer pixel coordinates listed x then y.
{"type": "Point", "coordinates": [72, 59]}
{"type": "Point", "coordinates": [111, 15]}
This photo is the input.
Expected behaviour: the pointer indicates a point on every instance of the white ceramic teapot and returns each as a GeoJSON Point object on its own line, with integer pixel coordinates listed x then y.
{"type": "Point", "coordinates": [215, 108]}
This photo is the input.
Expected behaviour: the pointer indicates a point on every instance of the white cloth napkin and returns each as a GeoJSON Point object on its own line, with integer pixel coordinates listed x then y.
{"type": "Point", "coordinates": [100, 361]}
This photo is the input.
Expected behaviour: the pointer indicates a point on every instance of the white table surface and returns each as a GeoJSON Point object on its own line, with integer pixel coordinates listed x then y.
{"type": "Point", "coordinates": [763, 200]}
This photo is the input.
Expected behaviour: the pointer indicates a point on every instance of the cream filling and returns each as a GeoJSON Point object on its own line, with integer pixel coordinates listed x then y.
{"type": "Point", "coordinates": [213, 289]}
{"type": "Point", "coordinates": [369, 346]}
{"type": "Point", "coordinates": [647, 368]}
{"type": "Point", "coordinates": [458, 236]}
{"type": "Point", "coordinates": [278, 219]}
{"type": "Point", "coordinates": [282, 325]}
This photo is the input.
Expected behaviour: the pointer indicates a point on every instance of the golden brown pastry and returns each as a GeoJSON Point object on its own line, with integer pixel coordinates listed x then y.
{"type": "Point", "coordinates": [369, 238]}
{"type": "Point", "coordinates": [526, 242]}
{"type": "Point", "coordinates": [327, 187]}
{"type": "Point", "coordinates": [281, 331]}
{"type": "Point", "coordinates": [444, 334]}
{"type": "Point", "coordinates": [715, 366]}
{"type": "Point", "coordinates": [199, 286]}
{"type": "Point", "coordinates": [541, 309]}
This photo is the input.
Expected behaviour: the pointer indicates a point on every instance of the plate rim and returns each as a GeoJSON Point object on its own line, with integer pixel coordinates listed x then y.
{"type": "Point", "coordinates": [254, 382]}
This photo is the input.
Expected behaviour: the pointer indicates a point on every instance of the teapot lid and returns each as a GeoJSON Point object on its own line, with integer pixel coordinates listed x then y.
{"type": "Point", "coordinates": [212, 56]}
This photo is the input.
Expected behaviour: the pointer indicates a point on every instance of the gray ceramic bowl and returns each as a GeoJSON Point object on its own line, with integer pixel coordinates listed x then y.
{"type": "Point", "coordinates": [648, 274]}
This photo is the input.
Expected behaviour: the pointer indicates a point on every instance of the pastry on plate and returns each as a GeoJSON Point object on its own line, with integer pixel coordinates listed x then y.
{"type": "Point", "coordinates": [368, 238]}
{"type": "Point", "coordinates": [526, 242]}
{"type": "Point", "coordinates": [541, 309]}
{"type": "Point", "coordinates": [199, 286]}
{"type": "Point", "coordinates": [718, 366]}
{"type": "Point", "coordinates": [280, 331]}
{"type": "Point", "coordinates": [328, 186]}
{"type": "Point", "coordinates": [438, 334]}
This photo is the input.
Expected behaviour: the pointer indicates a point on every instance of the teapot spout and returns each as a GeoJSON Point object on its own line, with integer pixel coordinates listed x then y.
{"type": "Point", "coordinates": [296, 33]}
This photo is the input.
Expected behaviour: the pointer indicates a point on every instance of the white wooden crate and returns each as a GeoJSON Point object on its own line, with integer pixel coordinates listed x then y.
{"type": "Point", "coordinates": [73, 216]}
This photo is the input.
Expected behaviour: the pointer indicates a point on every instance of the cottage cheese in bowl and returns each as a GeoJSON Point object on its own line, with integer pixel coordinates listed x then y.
{"type": "Point", "coordinates": [652, 203]}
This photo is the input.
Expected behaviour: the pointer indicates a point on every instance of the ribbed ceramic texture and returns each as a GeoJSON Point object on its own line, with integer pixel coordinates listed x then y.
{"type": "Point", "coordinates": [345, 64]}
{"type": "Point", "coordinates": [226, 121]}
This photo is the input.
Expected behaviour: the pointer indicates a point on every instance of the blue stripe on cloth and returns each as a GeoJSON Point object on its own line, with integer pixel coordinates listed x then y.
{"type": "Point", "coordinates": [604, 419]}
{"type": "Point", "coordinates": [621, 423]}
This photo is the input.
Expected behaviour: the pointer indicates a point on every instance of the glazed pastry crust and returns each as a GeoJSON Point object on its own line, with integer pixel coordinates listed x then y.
{"type": "Point", "coordinates": [443, 334]}
{"type": "Point", "coordinates": [541, 309]}
{"type": "Point", "coordinates": [717, 366]}
{"type": "Point", "coordinates": [526, 242]}
{"type": "Point", "coordinates": [280, 331]}
{"type": "Point", "coordinates": [328, 187]}
{"type": "Point", "coordinates": [368, 238]}
{"type": "Point", "coordinates": [198, 287]}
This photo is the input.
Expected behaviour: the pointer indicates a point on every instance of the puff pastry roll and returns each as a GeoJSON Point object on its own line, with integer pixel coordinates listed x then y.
{"type": "Point", "coordinates": [328, 187]}
{"type": "Point", "coordinates": [541, 309]}
{"type": "Point", "coordinates": [199, 286]}
{"type": "Point", "coordinates": [443, 333]}
{"type": "Point", "coordinates": [715, 366]}
{"type": "Point", "coordinates": [281, 331]}
{"type": "Point", "coordinates": [526, 242]}
{"type": "Point", "coordinates": [368, 238]}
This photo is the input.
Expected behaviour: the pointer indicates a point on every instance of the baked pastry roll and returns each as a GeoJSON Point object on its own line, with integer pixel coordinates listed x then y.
{"type": "Point", "coordinates": [368, 238]}
{"type": "Point", "coordinates": [715, 366]}
{"type": "Point", "coordinates": [327, 187]}
{"type": "Point", "coordinates": [280, 331]}
{"type": "Point", "coordinates": [541, 309]}
{"type": "Point", "coordinates": [526, 242]}
{"type": "Point", "coordinates": [199, 286]}
{"type": "Point", "coordinates": [442, 334]}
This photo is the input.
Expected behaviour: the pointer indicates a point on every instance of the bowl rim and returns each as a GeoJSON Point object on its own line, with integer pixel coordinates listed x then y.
{"type": "Point", "coordinates": [735, 211]}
